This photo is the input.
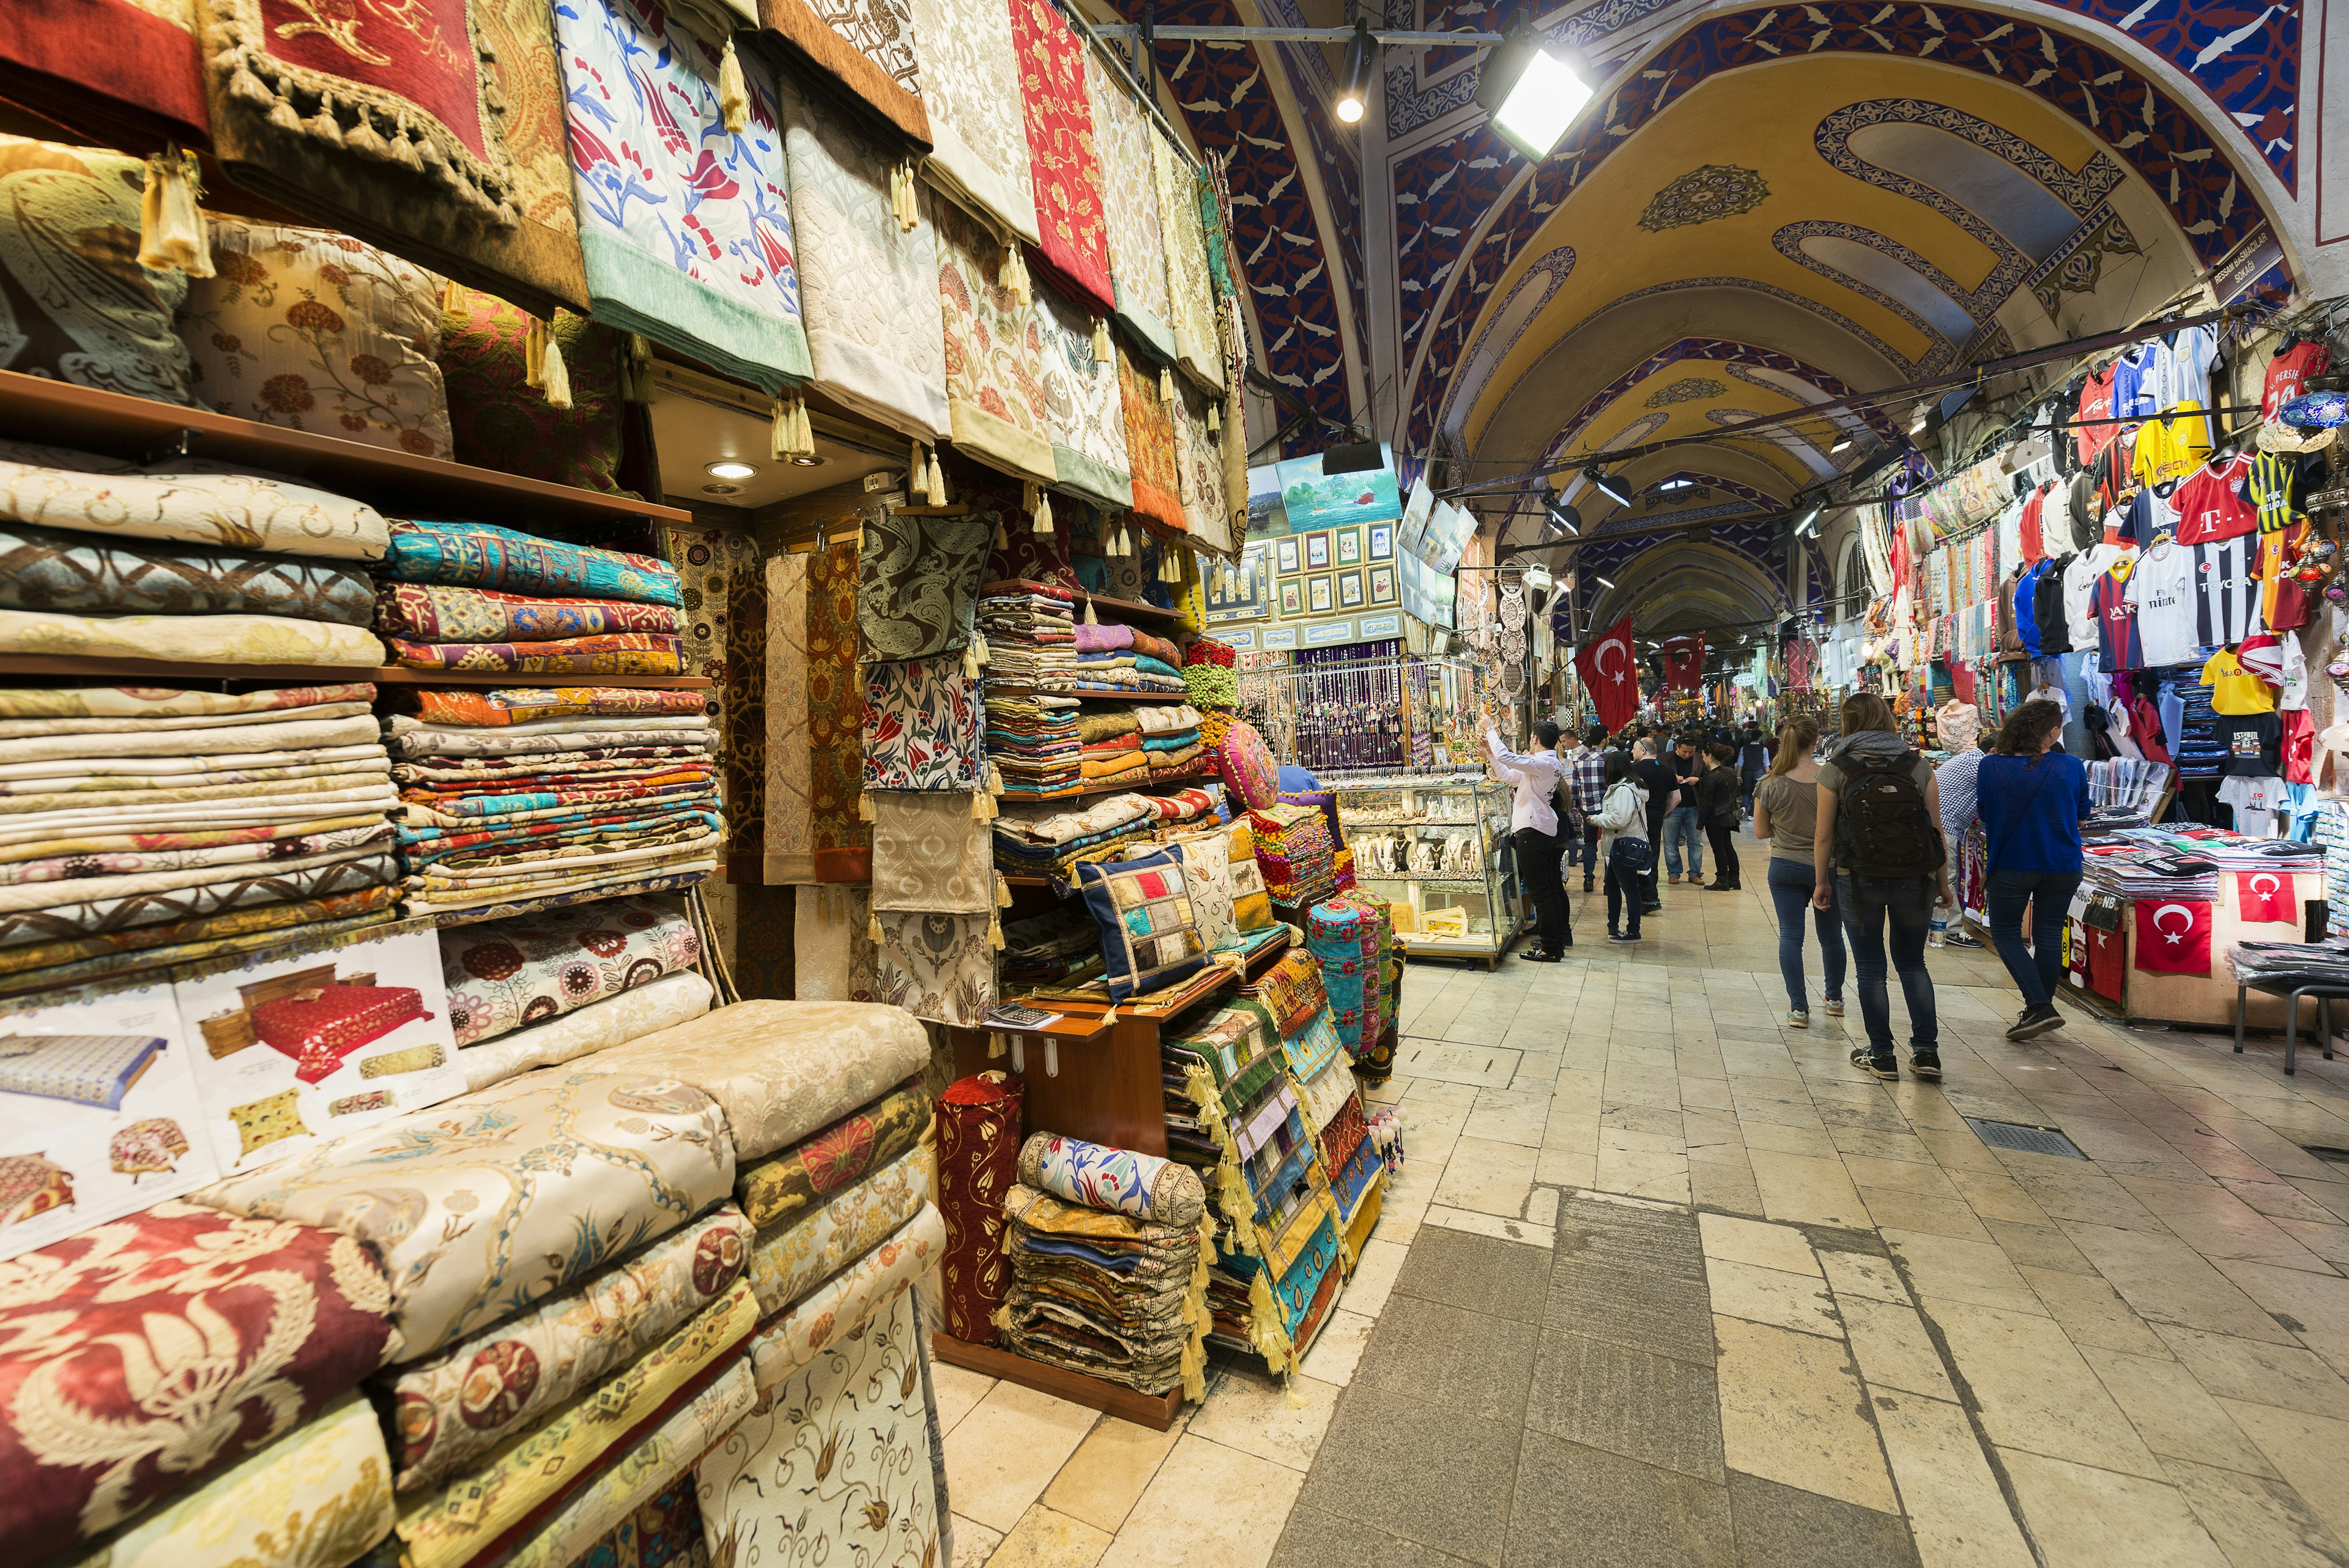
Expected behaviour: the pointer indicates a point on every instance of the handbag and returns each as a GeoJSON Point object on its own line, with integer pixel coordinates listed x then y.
{"type": "Point", "coordinates": [1630, 856]}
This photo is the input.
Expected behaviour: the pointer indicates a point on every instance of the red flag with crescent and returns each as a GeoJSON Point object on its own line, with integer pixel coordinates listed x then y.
{"type": "Point", "coordinates": [2173, 936]}
{"type": "Point", "coordinates": [1611, 673]}
{"type": "Point", "coordinates": [2264, 897]}
{"type": "Point", "coordinates": [1684, 663]}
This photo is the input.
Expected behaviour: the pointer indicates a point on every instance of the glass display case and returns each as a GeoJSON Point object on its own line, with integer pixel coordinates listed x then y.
{"type": "Point", "coordinates": [1436, 847]}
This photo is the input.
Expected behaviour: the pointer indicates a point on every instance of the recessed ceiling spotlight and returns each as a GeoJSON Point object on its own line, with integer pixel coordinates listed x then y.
{"type": "Point", "coordinates": [721, 490]}
{"type": "Point", "coordinates": [730, 469]}
{"type": "Point", "coordinates": [807, 459]}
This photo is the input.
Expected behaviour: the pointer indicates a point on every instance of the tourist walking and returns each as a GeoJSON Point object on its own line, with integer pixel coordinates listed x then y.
{"type": "Point", "coordinates": [1586, 787]}
{"type": "Point", "coordinates": [1752, 762]}
{"type": "Point", "coordinates": [2033, 799]}
{"type": "Point", "coordinates": [1879, 858]}
{"type": "Point", "coordinates": [1661, 781]}
{"type": "Point", "coordinates": [1626, 848]}
{"type": "Point", "coordinates": [1955, 780]}
{"type": "Point", "coordinates": [1785, 817]}
{"type": "Point", "coordinates": [1533, 829]}
{"type": "Point", "coordinates": [1683, 824]}
{"type": "Point", "coordinates": [1716, 802]}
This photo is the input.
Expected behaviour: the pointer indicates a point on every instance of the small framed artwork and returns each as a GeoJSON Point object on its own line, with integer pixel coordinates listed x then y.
{"type": "Point", "coordinates": [1381, 542]}
{"type": "Point", "coordinates": [1292, 598]}
{"type": "Point", "coordinates": [1350, 590]}
{"type": "Point", "coordinates": [1317, 594]}
{"type": "Point", "coordinates": [1382, 585]}
{"type": "Point", "coordinates": [1317, 552]}
{"type": "Point", "coordinates": [1350, 546]}
{"type": "Point", "coordinates": [1284, 558]}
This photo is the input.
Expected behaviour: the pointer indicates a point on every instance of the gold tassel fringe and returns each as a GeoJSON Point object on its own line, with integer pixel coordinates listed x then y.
{"type": "Point", "coordinates": [1165, 385]}
{"type": "Point", "coordinates": [792, 433]}
{"type": "Point", "coordinates": [864, 812]}
{"type": "Point", "coordinates": [172, 232]}
{"type": "Point", "coordinates": [554, 375]}
{"type": "Point", "coordinates": [733, 93]}
{"type": "Point", "coordinates": [1104, 352]}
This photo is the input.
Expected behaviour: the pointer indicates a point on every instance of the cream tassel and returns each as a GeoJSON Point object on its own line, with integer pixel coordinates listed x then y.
{"type": "Point", "coordinates": [982, 808]}
{"type": "Point", "coordinates": [637, 369]}
{"type": "Point", "coordinates": [936, 480]}
{"type": "Point", "coordinates": [979, 646]}
{"type": "Point", "coordinates": [554, 375]}
{"type": "Point", "coordinates": [1214, 419]}
{"type": "Point", "coordinates": [904, 197]}
{"type": "Point", "coordinates": [1089, 619]}
{"type": "Point", "coordinates": [872, 928]}
{"type": "Point", "coordinates": [792, 434]}
{"type": "Point", "coordinates": [864, 812]}
{"type": "Point", "coordinates": [970, 662]}
{"type": "Point", "coordinates": [172, 228]}
{"type": "Point", "coordinates": [733, 93]}
{"type": "Point", "coordinates": [1104, 352]}
{"type": "Point", "coordinates": [1165, 385]}
{"type": "Point", "coordinates": [1039, 507]}
{"type": "Point", "coordinates": [1002, 888]}
{"type": "Point", "coordinates": [1014, 275]}
{"type": "Point", "coordinates": [995, 930]}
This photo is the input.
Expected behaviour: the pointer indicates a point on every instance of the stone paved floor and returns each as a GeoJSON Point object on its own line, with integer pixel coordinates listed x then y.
{"type": "Point", "coordinates": [1666, 1282]}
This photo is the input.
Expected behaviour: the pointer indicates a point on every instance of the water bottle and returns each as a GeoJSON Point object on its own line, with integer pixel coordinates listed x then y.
{"type": "Point", "coordinates": [1939, 935]}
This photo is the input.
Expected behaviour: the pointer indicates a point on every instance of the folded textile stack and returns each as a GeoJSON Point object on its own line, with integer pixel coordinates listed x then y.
{"type": "Point", "coordinates": [555, 792]}
{"type": "Point", "coordinates": [1031, 844]}
{"type": "Point", "coordinates": [1112, 753]}
{"type": "Point", "coordinates": [1034, 744]}
{"type": "Point", "coordinates": [142, 827]}
{"type": "Point", "coordinates": [1108, 1265]}
{"type": "Point", "coordinates": [472, 596]}
{"type": "Point", "coordinates": [1057, 948]}
{"type": "Point", "coordinates": [1029, 628]}
{"type": "Point", "coordinates": [1348, 937]}
{"type": "Point", "coordinates": [1170, 738]}
{"type": "Point", "coordinates": [1294, 851]}
{"type": "Point", "coordinates": [102, 559]}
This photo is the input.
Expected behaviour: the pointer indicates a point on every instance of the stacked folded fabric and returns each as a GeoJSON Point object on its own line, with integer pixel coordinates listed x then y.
{"type": "Point", "coordinates": [1029, 627]}
{"type": "Point", "coordinates": [560, 792]}
{"type": "Point", "coordinates": [1108, 1265]}
{"type": "Point", "coordinates": [100, 558]}
{"type": "Point", "coordinates": [1294, 851]}
{"type": "Point", "coordinates": [1112, 748]}
{"type": "Point", "coordinates": [1034, 640]}
{"type": "Point", "coordinates": [470, 596]}
{"type": "Point", "coordinates": [1057, 948]}
{"type": "Point", "coordinates": [639, 1294]}
{"type": "Point", "coordinates": [142, 827]}
{"type": "Point", "coordinates": [1034, 744]}
{"type": "Point", "coordinates": [1031, 844]}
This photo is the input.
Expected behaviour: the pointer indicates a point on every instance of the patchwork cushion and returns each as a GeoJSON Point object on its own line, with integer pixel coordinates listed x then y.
{"type": "Point", "coordinates": [317, 331]}
{"type": "Point", "coordinates": [1150, 939]}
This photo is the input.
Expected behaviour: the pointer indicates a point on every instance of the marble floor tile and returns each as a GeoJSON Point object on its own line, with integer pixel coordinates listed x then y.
{"type": "Point", "coordinates": [1374, 1276]}
{"type": "Point", "coordinates": [2092, 1312]}
{"type": "Point", "coordinates": [1952, 1501]}
{"type": "Point", "coordinates": [1790, 1412]}
{"type": "Point", "coordinates": [1894, 1352]}
{"type": "Point", "coordinates": [974, 1543]}
{"type": "Point", "coordinates": [2088, 1517]}
{"type": "Point", "coordinates": [1105, 1477]}
{"type": "Point", "coordinates": [1486, 1176]}
{"type": "Point", "coordinates": [1799, 1302]}
{"type": "Point", "coordinates": [2033, 1389]}
{"type": "Point", "coordinates": [1043, 1539]}
{"type": "Point", "coordinates": [1255, 1414]}
{"type": "Point", "coordinates": [1001, 1456]}
{"type": "Point", "coordinates": [1338, 1348]}
{"type": "Point", "coordinates": [1861, 1274]}
{"type": "Point", "coordinates": [2173, 1412]}
{"type": "Point", "coordinates": [1953, 1270]}
{"type": "Point", "coordinates": [2167, 1281]}
{"type": "Point", "coordinates": [1904, 1211]}
{"type": "Point", "coordinates": [1780, 1247]}
{"type": "Point", "coordinates": [2254, 1519]}
{"type": "Point", "coordinates": [2311, 1452]}
{"type": "Point", "coordinates": [1206, 1507]}
{"type": "Point", "coordinates": [959, 1390]}
{"type": "Point", "coordinates": [1806, 1189]}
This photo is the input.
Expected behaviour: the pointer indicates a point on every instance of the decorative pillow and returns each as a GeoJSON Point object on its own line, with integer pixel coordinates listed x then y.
{"type": "Point", "coordinates": [1205, 857]}
{"type": "Point", "coordinates": [503, 974]}
{"type": "Point", "coordinates": [918, 582]}
{"type": "Point", "coordinates": [498, 420]}
{"type": "Point", "coordinates": [978, 1159]}
{"type": "Point", "coordinates": [1117, 1180]}
{"type": "Point", "coordinates": [1247, 766]}
{"type": "Point", "coordinates": [1251, 901]}
{"type": "Point", "coordinates": [81, 307]}
{"type": "Point", "coordinates": [319, 331]}
{"type": "Point", "coordinates": [1150, 938]}
{"type": "Point", "coordinates": [924, 727]}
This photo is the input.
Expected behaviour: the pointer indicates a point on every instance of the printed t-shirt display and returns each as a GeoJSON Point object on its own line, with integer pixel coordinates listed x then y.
{"type": "Point", "coordinates": [2169, 449]}
{"type": "Point", "coordinates": [2288, 375]}
{"type": "Point", "coordinates": [2161, 593]}
{"type": "Point", "coordinates": [2212, 502]}
{"type": "Point", "coordinates": [2233, 690]}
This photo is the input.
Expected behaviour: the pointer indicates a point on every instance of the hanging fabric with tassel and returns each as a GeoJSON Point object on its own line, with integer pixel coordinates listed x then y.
{"type": "Point", "coordinates": [1104, 351]}
{"type": "Point", "coordinates": [733, 93]}
{"type": "Point", "coordinates": [904, 197]}
{"type": "Point", "coordinates": [542, 366]}
{"type": "Point", "coordinates": [1039, 506]}
{"type": "Point", "coordinates": [172, 228]}
{"type": "Point", "coordinates": [1165, 385]}
{"type": "Point", "coordinates": [637, 369]}
{"type": "Point", "coordinates": [791, 433]}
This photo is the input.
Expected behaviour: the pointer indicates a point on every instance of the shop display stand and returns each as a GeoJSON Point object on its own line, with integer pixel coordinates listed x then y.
{"type": "Point", "coordinates": [1421, 808]}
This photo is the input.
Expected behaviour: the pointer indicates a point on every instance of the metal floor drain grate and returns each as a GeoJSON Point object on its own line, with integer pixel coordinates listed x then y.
{"type": "Point", "coordinates": [2025, 1139]}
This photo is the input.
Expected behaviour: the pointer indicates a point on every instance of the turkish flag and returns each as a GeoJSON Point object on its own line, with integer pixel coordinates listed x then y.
{"type": "Point", "coordinates": [2173, 937]}
{"type": "Point", "coordinates": [1684, 663]}
{"type": "Point", "coordinates": [1611, 673]}
{"type": "Point", "coordinates": [2263, 896]}
{"type": "Point", "coordinates": [2105, 964]}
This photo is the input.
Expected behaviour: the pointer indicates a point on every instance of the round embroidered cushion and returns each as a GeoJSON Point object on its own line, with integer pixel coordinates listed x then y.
{"type": "Point", "coordinates": [1247, 765]}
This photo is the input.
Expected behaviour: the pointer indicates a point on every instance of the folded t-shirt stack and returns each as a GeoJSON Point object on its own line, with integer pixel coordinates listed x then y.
{"type": "Point", "coordinates": [553, 793]}
{"type": "Point", "coordinates": [1107, 1277]}
{"type": "Point", "coordinates": [470, 596]}
{"type": "Point", "coordinates": [142, 827]}
{"type": "Point", "coordinates": [102, 559]}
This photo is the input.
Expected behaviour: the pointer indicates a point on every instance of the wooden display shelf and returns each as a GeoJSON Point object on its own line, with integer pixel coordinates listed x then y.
{"type": "Point", "coordinates": [35, 408]}
{"type": "Point", "coordinates": [1155, 1412]}
{"type": "Point", "coordinates": [995, 688]}
{"type": "Point", "coordinates": [181, 671]}
{"type": "Point", "coordinates": [1103, 604]}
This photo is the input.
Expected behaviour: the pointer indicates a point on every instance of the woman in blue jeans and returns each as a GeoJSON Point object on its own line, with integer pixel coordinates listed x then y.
{"type": "Point", "coordinates": [1785, 813]}
{"type": "Point", "coordinates": [2033, 799]}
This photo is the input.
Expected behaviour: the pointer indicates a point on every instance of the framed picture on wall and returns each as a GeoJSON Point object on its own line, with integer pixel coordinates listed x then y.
{"type": "Point", "coordinates": [1382, 585]}
{"type": "Point", "coordinates": [1350, 546]}
{"type": "Point", "coordinates": [1350, 590]}
{"type": "Point", "coordinates": [1317, 551]}
{"type": "Point", "coordinates": [1292, 597]}
{"type": "Point", "coordinates": [1284, 558]}
{"type": "Point", "coordinates": [1381, 542]}
{"type": "Point", "coordinates": [1316, 595]}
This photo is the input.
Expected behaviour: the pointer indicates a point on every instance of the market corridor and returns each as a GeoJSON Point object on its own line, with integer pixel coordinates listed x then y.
{"type": "Point", "coordinates": [1665, 1284]}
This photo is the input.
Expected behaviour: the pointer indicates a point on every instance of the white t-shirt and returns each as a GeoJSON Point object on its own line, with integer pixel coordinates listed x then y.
{"type": "Point", "coordinates": [2162, 592]}
{"type": "Point", "coordinates": [2080, 591]}
{"type": "Point", "coordinates": [2227, 596]}
{"type": "Point", "coordinates": [2181, 370]}
{"type": "Point", "coordinates": [2296, 674]}
{"type": "Point", "coordinates": [2010, 538]}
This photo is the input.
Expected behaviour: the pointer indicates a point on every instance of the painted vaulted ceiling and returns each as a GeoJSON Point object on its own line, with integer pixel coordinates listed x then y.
{"type": "Point", "coordinates": [1765, 206]}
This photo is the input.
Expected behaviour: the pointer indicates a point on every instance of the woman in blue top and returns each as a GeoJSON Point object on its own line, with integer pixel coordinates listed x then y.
{"type": "Point", "coordinates": [2033, 799]}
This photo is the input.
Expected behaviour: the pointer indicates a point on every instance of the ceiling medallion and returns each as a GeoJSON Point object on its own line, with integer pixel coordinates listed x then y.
{"type": "Point", "coordinates": [1700, 195]}
{"type": "Point", "coordinates": [1687, 392]}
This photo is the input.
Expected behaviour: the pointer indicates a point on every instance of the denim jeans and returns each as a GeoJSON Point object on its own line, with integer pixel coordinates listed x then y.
{"type": "Point", "coordinates": [1623, 890]}
{"type": "Point", "coordinates": [1681, 826]}
{"type": "Point", "coordinates": [1587, 838]}
{"type": "Point", "coordinates": [2049, 894]}
{"type": "Point", "coordinates": [1791, 882]}
{"type": "Point", "coordinates": [1905, 904]}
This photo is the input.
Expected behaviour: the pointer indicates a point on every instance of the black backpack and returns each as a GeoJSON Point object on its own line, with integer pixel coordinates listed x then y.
{"type": "Point", "coordinates": [1883, 825]}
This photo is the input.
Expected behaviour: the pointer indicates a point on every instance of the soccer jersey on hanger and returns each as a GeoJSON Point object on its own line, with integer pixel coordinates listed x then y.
{"type": "Point", "coordinates": [2210, 503]}
{"type": "Point", "coordinates": [2226, 590]}
{"type": "Point", "coordinates": [2162, 592]}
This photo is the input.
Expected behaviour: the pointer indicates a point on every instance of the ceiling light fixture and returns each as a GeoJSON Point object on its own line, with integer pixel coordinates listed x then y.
{"type": "Point", "coordinates": [1354, 75]}
{"type": "Point", "coordinates": [730, 469]}
{"type": "Point", "coordinates": [1843, 445]}
{"type": "Point", "coordinates": [1610, 486]}
{"type": "Point", "coordinates": [1810, 523]}
{"type": "Point", "coordinates": [807, 459]}
{"type": "Point", "coordinates": [1562, 517]}
{"type": "Point", "coordinates": [1602, 582]}
{"type": "Point", "coordinates": [1917, 420]}
{"type": "Point", "coordinates": [1669, 485]}
{"type": "Point", "coordinates": [1530, 91]}
{"type": "Point", "coordinates": [1537, 580]}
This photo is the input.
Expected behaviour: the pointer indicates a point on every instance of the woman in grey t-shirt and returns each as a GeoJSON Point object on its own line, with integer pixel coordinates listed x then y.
{"type": "Point", "coordinates": [1785, 813]}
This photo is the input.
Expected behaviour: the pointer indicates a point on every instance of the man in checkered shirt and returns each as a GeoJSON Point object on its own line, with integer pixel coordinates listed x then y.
{"type": "Point", "coordinates": [1582, 776]}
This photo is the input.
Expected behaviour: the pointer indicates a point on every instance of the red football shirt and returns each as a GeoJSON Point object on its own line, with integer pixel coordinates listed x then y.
{"type": "Point", "coordinates": [2212, 502]}
{"type": "Point", "coordinates": [2096, 404]}
{"type": "Point", "coordinates": [2288, 375]}
{"type": "Point", "coordinates": [2033, 550]}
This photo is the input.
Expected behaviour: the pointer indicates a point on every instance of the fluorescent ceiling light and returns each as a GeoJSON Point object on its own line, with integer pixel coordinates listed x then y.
{"type": "Point", "coordinates": [1529, 94]}
{"type": "Point", "coordinates": [1842, 445]}
{"type": "Point", "coordinates": [1810, 519]}
{"type": "Point", "coordinates": [1354, 75]}
{"type": "Point", "coordinates": [1669, 485]}
{"type": "Point", "coordinates": [732, 470]}
{"type": "Point", "coordinates": [1603, 582]}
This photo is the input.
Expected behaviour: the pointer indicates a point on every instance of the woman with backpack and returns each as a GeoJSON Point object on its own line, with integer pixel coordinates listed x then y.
{"type": "Point", "coordinates": [1623, 848]}
{"type": "Point", "coordinates": [1786, 816]}
{"type": "Point", "coordinates": [1880, 856]}
{"type": "Point", "coordinates": [1717, 797]}
{"type": "Point", "coordinates": [2033, 799]}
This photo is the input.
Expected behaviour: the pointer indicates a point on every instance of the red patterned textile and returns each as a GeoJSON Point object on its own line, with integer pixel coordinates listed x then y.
{"type": "Point", "coordinates": [143, 1355]}
{"type": "Point", "coordinates": [980, 1134]}
{"type": "Point", "coordinates": [611, 654]}
{"type": "Point", "coordinates": [123, 73]}
{"type": "Point", "coordinates": [319, 1031]}
{"type": "Point", "coordinates": [1150, 444]}
{"type": "Point", "coordinates": [1067, 172]}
